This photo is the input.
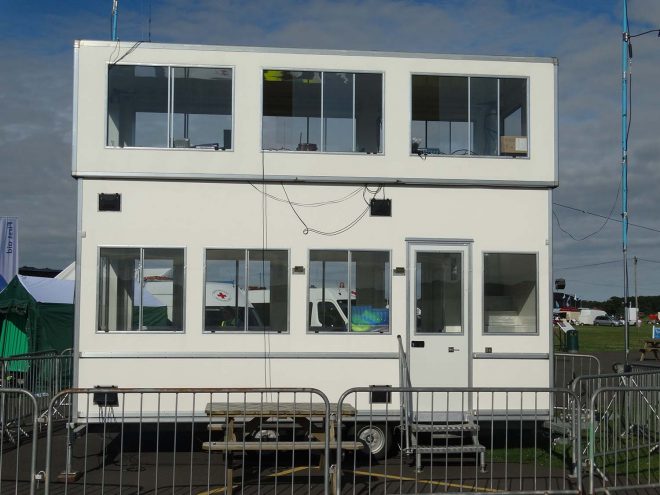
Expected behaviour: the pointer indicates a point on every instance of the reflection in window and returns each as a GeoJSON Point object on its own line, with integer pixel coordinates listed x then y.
{"type": "Point", "coordinates": [510, 293]}
{"type": "Point", "coordinates": [337, 277]}
{"type": "Point", "coordinates": [140, 289]}
{"type": "Point", "coordinates": [439, 292]}
{"type": "Point", "coordinates": [243, 296]}
{"type": "Point", "coordinates": [322, 111]}
{"type": "Point", "coordinates": [454, 115]}
{"type": "Point", "coordinates": [160, 107]}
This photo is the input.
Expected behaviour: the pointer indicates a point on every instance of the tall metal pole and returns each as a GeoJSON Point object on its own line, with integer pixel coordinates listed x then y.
{"type": "Point", "coordinates": [115, 14]}
{"type": "Point", "coordinates": [636, 298]}
{"type": "Point", "coordinates": [624, 168]}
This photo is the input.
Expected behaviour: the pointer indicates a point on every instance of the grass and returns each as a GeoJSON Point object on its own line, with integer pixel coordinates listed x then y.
{"type": "Point", "coordinates": [603, 339]}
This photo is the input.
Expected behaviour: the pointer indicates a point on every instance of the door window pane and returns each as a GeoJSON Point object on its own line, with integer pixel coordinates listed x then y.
{"type": "Point", "coordinates": [510, 293]}
{"type": "Point", "coordinates": [439, 292]}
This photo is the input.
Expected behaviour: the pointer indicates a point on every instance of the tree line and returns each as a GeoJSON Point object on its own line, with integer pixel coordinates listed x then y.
{"type": "Point", "coordinates": [614, 305]}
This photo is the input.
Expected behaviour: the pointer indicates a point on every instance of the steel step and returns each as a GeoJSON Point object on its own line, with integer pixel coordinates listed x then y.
{"type": "Point", "coordinates": [444, 427]}
{"type": "Point", "coordinates": [451, 449]}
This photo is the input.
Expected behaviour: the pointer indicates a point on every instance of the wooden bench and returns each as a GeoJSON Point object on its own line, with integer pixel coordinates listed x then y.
{"type": "Point", "coordinates": [259, 416]}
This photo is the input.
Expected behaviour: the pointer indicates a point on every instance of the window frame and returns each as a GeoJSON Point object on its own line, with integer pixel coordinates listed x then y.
{"type": "Point", "coordinates": [170, 109]}
{"type": "Point", "coordinates": [139, 331]}
{"type": "Point", "coordinates": [246, 259]}
{"type": "Point", "coordinates": [528, 156]}
{"type": "Point", "coordinates": [309, 303]}
{"type": "Point", "coordinates": [537, 331]}
{"type": "Point", "coordinates": [322, 144]}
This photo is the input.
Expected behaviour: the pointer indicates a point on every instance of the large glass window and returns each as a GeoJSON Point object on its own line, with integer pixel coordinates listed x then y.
{"type": "Point", "coordinates": [176, 107]}
{"type": "Point", "coordinates": [140, 289]}
{"type": "Point", "coordinates": [459, 115]}
{"type": "Point", "coordinates": [349, 291]}
{"type": "Point", "coordinates": [322, 111]}
{"type": "Point", "coordinates": [510, 293]}
{"type": "Point", "coordinates": [246, 290]}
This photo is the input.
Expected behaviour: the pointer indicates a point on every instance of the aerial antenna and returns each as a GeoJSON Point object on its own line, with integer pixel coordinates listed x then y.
{"type": "Point", "coordinates": [625, 60]}
{"type": "Point", "coordinates": [115, 14]}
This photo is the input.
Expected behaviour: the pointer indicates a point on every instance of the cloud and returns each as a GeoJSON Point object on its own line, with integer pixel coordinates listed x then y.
{"type": "Point", "coordinates": [585, 36]}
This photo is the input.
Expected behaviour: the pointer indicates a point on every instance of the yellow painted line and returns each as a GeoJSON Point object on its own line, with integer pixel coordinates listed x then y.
{"type": "Point", "coordinates": [430, 482]}
{"type": "Point", "coordinates": [216, 490]}
{"type": "Point", "coordinates": [274, 475]}
{"type": "Point", "coordinates": [288, 471]}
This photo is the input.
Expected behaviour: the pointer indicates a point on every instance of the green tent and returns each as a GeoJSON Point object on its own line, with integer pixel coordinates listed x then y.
{"type": "Point", "coordinates": [36, 315]}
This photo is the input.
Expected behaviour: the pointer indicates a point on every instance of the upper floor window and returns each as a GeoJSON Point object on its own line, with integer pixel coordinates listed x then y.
{"type": "Point", "coordinates": [169, 107]}
{"type": "Point", "coordinates": [140, 289]}
{"type": "Point", "coordinates": [246, 290]}
{"type": "Point", "coordinates": [454, 115]}
{"type": "Point", "coordinates": [349, 291]}
{"type": "Point", "coordinates": [322, 111]}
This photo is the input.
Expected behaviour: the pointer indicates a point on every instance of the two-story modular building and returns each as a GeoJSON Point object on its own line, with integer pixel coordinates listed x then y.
{"type": "Point", "coordinates": [227, 234]}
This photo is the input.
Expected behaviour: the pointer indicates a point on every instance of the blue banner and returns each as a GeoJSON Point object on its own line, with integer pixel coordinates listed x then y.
{"type": "Point", "coordinates": [8, 250]}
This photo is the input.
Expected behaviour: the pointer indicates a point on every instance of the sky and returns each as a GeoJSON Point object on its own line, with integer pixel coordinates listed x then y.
{"type": "Point", "coordinates": [36, 100]}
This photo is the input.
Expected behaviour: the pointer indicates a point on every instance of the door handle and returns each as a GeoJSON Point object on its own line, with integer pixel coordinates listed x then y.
{"type": "Point", "coordinates": [453, 349]}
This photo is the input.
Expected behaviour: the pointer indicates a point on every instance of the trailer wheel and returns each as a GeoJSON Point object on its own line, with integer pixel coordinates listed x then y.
{"type": "Point", "coordinates": [376, 437]}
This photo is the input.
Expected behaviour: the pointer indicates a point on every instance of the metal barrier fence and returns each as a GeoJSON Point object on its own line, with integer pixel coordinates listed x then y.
{"type": "Point", "coordinates": [624, 444]}
{"type": "Point", "coordinates": [41, 374]}
{"type": "Point", "coordinates": [567, 367]}
{"type": "Point", "coordinates": [465, 440]}
{"type": "Point", "coordinates": [190, 440]}
{"type": "Point", "coordinates": [18, 441]}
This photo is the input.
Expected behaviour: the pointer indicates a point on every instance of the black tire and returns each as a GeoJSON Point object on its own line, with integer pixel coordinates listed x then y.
{"type": "Point", "coordinates": [376, 437]}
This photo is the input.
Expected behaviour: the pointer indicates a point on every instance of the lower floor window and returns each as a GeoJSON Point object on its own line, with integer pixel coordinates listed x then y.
{"type": "Point", "coordinates": [349, 291]}
{"type": "Point", "coordinates": [246, 290]}
{"type": "Point", "coordinates": [510, 293]}
{"type": "Point", "coordinates": [140, 289]}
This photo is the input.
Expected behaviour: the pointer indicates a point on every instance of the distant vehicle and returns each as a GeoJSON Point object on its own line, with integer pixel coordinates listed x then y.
{"type": "Point", "coordinates": [606, 321]}
{"type": "Point", "coordinates": [587, 316]}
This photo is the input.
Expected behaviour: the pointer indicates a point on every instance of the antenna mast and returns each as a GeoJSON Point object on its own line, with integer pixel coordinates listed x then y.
{"type": "Point", "coordinates": [115, 14]}
{"type": "Point", "coordinates": [625, 60]}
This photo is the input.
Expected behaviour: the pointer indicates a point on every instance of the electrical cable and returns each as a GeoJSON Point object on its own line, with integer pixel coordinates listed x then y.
{"type": "Point", "coordinates": [587, 265]}
{"type": "Point", "coordinates": [587, 212]}
{"type": "Point", "coordinates": [607, 219]}
{"type": "Point", "coordinates": [268, 371]}
{"type": "Point", "coordinates": [310, 205]}
{"type": "Point", "coordinates": [307, 229]}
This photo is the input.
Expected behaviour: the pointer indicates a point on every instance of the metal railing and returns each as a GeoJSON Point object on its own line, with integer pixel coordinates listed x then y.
{"type": "Point", "coordinates": [190, 440]}
{"type": "Point", "coordinates": [18, 441]}
{"type": "Point", "coordinates": [405, 398]}
{"type": "Point", "coordinates": [624, 443]}
{"type": "Point", "coordinates": [42, 374]}
{"type": "Point", "coordinates": [463, 440]}
{"type": "Point", "coordinates": [568, 366]}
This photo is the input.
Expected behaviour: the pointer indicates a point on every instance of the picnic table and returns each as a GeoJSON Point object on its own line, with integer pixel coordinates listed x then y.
{"type": "Point", "coordinates": [650, 345]}
{"type": "Point", "coordinates": [255, 419]}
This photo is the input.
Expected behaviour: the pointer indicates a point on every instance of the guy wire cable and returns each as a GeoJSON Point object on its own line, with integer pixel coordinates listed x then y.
{"type": "Point", "coordinates": [268, 379]}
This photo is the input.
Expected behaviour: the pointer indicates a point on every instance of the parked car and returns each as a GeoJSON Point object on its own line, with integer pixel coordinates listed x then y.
{"type": "Point", "coordinates": [606, 321]}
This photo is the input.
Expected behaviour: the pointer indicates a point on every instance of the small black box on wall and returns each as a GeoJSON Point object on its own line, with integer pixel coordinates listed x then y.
{"type": "Point", "coordinates": [380, 396]}
{"type": "Point", "coordinates": [109, 202]}
{"type": "Point", "coordinates": [381, 207]}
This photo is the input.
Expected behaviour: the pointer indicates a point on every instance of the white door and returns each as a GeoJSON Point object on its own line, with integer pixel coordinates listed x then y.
{"type": "Point", "coordinates": [438, 323]}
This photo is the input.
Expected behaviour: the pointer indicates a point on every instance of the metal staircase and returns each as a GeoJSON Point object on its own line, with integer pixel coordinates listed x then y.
{"type": "Point", "coordinates": [436, 438]}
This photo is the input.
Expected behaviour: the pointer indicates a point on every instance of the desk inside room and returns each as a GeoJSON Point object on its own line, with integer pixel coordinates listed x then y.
{"type": "Point", "coordinates": [259, 426]}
